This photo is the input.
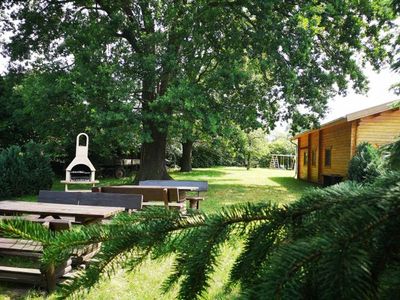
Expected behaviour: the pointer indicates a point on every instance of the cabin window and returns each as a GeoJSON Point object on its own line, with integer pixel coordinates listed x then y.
{"type": "Point", "coordinates": [314, 157]}
{"type": "Point", "coordinates": [305, 158]}
{"type": "Point", "coordinates": [328, 157]}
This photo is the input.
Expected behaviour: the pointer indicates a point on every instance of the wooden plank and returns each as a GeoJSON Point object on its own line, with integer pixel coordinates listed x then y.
{"type": "Point", "coordinates": [16, 270]}
{"type": "Point", "coordinates": [202, 186]}
{"type": "Point", "coordinates": [177, 205]}
{"type": "Point", "coordinates": [353, 138]}
{"type": "Point", "coordinates": [127, 201]}
{"type": "Point", "coordinates": [22, 275]}
{"type": "Point", "coordinates": [76, 261]}
{"type": "Point", "coordinates": [309, 158]}
{"type": "Point", "coordinates": [130, 201]}
{"type": "Point", "coordinates": [20, 245]}
{"type": "Point", "coordinates": [320, 161]}
{"type": "Point", "coordinates": [298, 159]}
{"type": "Point", "coordinates": [47, 209]}
{"type": "Point", "coordinates": [62, 271]}
{"type": "Point", "coordinates": [149, 193]}
{"type": "Point", "coordinates": [57, 197]}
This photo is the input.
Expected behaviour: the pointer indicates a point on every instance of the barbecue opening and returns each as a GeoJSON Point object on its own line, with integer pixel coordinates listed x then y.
{"type": "Point", "coordinates": [81, 173]}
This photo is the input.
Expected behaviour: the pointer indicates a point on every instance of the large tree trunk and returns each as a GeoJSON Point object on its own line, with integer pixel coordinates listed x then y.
{"type": "Point", "coordinates": [186, 160]}
{"type": "Point", "coordinates": [152, 158]}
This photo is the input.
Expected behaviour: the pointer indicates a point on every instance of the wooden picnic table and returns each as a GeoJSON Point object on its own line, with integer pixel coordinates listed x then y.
{"type": "Point", "coordinates": [83, 213]}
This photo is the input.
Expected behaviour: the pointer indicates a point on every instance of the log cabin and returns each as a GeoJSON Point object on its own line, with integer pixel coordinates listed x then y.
{"type": "Point", "coordinates": [323, 154]}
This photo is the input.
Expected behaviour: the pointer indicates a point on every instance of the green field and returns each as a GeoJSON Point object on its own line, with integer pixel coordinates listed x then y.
{"type": "Point", "coordinates": [227, 186]}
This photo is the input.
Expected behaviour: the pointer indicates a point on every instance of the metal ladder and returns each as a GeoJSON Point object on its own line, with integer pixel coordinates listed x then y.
{"type": "Point", "coordinates": [274, 164]}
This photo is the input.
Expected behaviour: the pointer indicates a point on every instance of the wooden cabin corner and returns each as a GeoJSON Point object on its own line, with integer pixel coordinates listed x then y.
{"type": "Point", "coordinates": [323, 154]}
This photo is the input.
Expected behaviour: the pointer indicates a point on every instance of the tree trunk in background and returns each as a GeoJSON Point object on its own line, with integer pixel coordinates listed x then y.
{"type": "Point", "coordinates": [186, 159]}
{"type": "Point", "coordinates": [248, 161]}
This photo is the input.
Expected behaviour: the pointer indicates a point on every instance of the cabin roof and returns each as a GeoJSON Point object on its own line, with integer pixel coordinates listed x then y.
{"type": "Point", "coordinates": [352, 116]}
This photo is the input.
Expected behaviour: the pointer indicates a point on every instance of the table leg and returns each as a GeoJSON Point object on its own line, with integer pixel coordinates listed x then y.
{"type": "Point", "coordinates": [194, 204]}
{"type": "Point", "coordinates": [182, 196]}
{"type": "Point", "coordinates": [50, 277]}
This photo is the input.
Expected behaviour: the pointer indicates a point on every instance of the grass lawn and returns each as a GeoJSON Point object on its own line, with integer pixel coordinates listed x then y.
{"type": "Point", "coordinates": [227, 186]}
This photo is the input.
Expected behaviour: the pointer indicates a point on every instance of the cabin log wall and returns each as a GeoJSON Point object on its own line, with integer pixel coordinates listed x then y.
{"type": "Point", "coordinates": [379, 129]}
{"type": "Point", "coordinates": [338, 139]}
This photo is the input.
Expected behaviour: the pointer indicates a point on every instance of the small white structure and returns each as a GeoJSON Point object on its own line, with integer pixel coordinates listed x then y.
{"type": "Point", "coordinates": [282, 161]}
{"type": "Point", "coordinates": [80, 170]}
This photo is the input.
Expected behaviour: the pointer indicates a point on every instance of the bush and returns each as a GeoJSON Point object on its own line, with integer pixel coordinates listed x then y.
{"type": "Point", "coordinates": [364, 166]}
{"type": "Point", "coordinates": [24, 171]}
{"type": "Point", "coordinates": [204, 156]}
{"type": "Point", "coordinates": [391, 156]}
{"type": "Point", "coordinates": [13, 172]}
{"type": "Point", "coordinates": [40, 174]}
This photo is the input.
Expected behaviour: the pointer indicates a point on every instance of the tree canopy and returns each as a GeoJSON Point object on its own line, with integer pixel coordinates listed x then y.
{"type": "Point", "coordinates": [254, 61]}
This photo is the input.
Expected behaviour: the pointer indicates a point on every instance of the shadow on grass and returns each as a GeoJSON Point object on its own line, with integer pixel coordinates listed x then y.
{"type": "Point", "coordinates": [19, 291]}
{"type": "Point", "coordinates": [225, 195]}
{"type": "Point", "coordinates": [293, 183]}
{"type": "Point", "coordinates": [199, 173]}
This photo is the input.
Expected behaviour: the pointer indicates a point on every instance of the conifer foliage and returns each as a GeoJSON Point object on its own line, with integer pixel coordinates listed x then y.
{"type": "Point", "coordinates": [341, 242]}
{"type": "Point", "coordinates": [364, 166]}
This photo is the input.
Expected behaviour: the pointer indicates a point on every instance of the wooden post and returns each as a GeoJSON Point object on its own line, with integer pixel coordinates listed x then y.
{"type": "Point", "coordinates": [194, 204]}
{"type": "Point", "coordinates": [320, 155]}
{"type": "Point", "coordinates": [309, 158]}
{"type": "Point", "coordinates": [50, 276]}
{"type": "Point", "coordinates": [50, 272]}
{"type": "Point", "coordinates": [353, 139]}
{"type": "Point", "coordinates": [298, 158]}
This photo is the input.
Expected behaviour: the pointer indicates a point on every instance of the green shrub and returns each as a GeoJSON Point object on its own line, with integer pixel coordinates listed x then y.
{"type": "Point", "coordinates": [24, 171]}
{"type": "Point", "coordinates": [364, 166]}
{"type": "Point", "coordinates": [205, 157]}
{"type": "Point", "coordinates": [13, 172]}
{"type": "Point", "coordinates": [391, 155]}
{"type": "Point", "coordinates": [40, 174]}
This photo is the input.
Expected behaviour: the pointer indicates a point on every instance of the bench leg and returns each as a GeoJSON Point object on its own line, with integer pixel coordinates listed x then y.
{"type": "Point", "coordinates": [194, 204]}
{"type": "Point", "coordinates": [50, 276]}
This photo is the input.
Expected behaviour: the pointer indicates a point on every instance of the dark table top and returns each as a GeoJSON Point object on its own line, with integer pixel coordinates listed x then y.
{"type": "Point", "coordinates": [181, 188]}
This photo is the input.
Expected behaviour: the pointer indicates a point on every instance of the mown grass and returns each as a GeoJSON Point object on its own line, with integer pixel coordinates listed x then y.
{"type": "Point", "coordinates": [227, 186]}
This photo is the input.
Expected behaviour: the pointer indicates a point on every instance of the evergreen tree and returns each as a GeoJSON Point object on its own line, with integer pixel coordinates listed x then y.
{"type": "Point", "coordinates": [364, 165]}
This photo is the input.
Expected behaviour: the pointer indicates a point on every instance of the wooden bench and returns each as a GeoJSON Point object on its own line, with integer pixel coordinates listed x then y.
{"type": "Point", "coordinates": [34, 276]}
{"type": "Point", "coordinates": [193, 200]}
{"type": "Point", "coordinates": [34, 250]}
{"type": "Point", "coordinates": [152, 196]}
